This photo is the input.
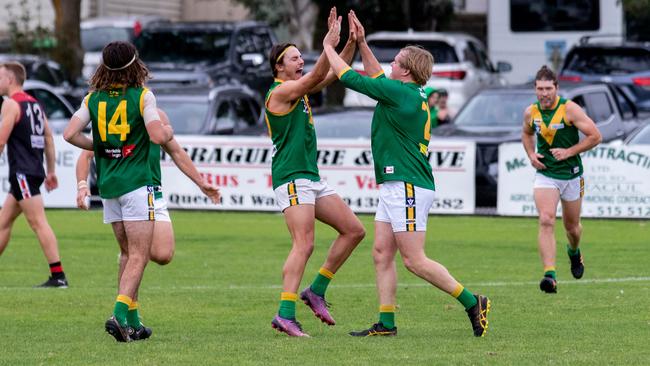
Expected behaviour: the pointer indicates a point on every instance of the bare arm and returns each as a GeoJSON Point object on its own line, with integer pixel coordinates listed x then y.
{"type": "Point", "coordinates": [51, 182]}
{"type": "Point", "coordinates": [73, 134]}
{"type": "Point", "coordinates": [81, 170]}
{"type": "Point", "coordinates": [370, 64]}
{"type": "Point", "coordinates": [584, 124]}
{"type": "Point", "coordinates": [291, 90]}
{"type": "Point", "coordinates": [10, 113]}
{"type": "Point", "coordinates": [347, 54]}
{"type": "Point", "coordinates": [528, 140]}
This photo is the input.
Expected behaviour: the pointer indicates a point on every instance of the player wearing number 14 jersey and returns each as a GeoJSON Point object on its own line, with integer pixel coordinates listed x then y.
{"type": "Point", "coordinates": [125, 121]}
{"type": "Point", "coordinates": [400, 138]}
{"type": "Point", "coordinates": [25, 132]}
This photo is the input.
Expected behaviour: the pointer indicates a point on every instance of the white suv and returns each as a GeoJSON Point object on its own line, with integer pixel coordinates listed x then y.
{"type": "Point", "coordinates": [461, 65]}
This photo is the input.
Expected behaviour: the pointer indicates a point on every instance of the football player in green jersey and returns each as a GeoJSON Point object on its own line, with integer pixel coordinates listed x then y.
{"type": "Point", "coordinates": [555, 123]}
{"type": "Point", "coordinates": [125, 121]}
{"type": "Point", "coordinates": [300, 192]}
{"type": "Point", "coordinates": [401, 128]}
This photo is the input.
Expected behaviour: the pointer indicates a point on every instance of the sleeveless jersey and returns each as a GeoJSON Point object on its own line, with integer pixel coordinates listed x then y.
{"type": "Point", "coordinates": [553, 130]}
{"type": "Point", "coordinates": [26, 142]}
{"type": "Point", "coordinates": [401, 128]}
{"type": "Point", "coordinates": [120, 140]}
{"type": "Point", "coordinates": [294, 141]}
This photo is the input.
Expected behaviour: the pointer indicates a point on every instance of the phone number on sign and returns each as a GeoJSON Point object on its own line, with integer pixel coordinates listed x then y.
{"type": "Point", "coordinates": [373, 202]}
{"type": "Point", "coordinates": [623, 211]}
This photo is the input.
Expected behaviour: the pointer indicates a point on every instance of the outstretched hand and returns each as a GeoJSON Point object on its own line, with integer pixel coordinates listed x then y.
{"type": "Point", "coordinates": [352, 35]}
{"type": "Point", "coordinates": [211, 191]}
{"type": "Point", "coordinates": [360, 33]}
{"type": "Point", "coordinates": [333, 36]}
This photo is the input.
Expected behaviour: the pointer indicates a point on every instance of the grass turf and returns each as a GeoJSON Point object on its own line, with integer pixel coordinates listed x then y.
{"type": "Point", "coordinates": [213, 304]}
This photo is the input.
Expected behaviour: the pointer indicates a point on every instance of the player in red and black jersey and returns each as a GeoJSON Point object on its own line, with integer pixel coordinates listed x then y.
{"type": "Point", "coordinates": [25, 132]}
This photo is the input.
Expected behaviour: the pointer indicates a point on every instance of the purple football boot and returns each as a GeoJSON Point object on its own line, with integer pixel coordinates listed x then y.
{"type": "Point", "coordinates": [318, 305]}
{"type": "Point", "coordinates": [291, 327]}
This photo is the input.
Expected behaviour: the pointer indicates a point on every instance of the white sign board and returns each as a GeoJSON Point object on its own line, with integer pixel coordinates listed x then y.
{"type": "Point", "coordinates": [66, 158]}
{"type": "Point", "coordinates": [617, 182]}
{"type": "Point", "coordinates": [241, 167]}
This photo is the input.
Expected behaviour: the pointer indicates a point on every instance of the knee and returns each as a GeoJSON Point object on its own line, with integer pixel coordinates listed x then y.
{"type": "Point", "coordinates": [304, 248]}
{"type": "Point", "coordinates": [573, 228]}
{"type": "Point", "coordinates": [412, 264]}
{"type": "Point", "coordinates": [382, 257]}
{"type": "Point", "coordinates": [162, 258]}
{"type": "Point", "coordinates": [357, 233]}
{"type": "Point", "coordinates": [546, 220]}
{"type": "Point", "coordinates": [36, 223]}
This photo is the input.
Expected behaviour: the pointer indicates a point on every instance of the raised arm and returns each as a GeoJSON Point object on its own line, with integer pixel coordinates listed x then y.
{"type": "Point", "coordinates": [291, 90]}
{"type": "Point", "coordinates": [584, 124]}
{"type": "Point", "coordinates": [370, 64]}
{"type": "Point", "coordinates": [528, 140]}
{"type": "Point", "coordinates": [347, 54]}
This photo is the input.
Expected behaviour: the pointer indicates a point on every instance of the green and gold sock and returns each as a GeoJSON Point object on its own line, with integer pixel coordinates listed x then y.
{"type": "Point", "coordinates": [465, 297]}
{"type": "Point", "coordinates": [288, 305]}
{"type": "Point", "coordinates": [132, 317]}
{"type": "Point", "coordinates": [387, 316]}
{"type": "Point", "coordinates": [121, 309]}
{"type": "Point", "coordinates": [549, 271]}
{"type": "Point", "coordinates": [323, 278]}
{"type": "Point", "coordinates": [571, 252]}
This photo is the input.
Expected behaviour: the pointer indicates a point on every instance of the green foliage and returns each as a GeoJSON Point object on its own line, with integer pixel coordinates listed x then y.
{"type": "Point", "coordinates": [274, 12]}
{"type": "Point", "coordinates": [26, 38]}
{"type": "Point", "coordinates": [214, 303]}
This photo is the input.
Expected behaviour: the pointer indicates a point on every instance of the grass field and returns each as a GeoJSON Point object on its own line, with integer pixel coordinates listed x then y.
{"type": "Point", "coordinates": [213, 304]}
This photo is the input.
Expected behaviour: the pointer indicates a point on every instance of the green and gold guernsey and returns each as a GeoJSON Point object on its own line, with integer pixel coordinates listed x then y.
{"type": "Point", "coordinates": [294, 141]}
{"type": "Point", "coordinates": [120, 140]}
{"type": "Point", "coordinates": [401, 128]}
{"type": "Point", "coordinates": [553, 130]}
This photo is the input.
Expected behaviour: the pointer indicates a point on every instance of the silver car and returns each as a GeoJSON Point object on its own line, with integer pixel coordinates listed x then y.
{"type": "Point", "coordinates": [461, 65]}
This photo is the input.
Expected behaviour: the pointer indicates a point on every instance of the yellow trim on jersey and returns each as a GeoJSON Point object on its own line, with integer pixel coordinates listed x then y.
{"type": "Point", "coordinates": [410, 208]}
{"type": "Point", "coordinates": [326, 272]}
{"type": "Point", "coordinates": [278, 114]}
{"type": "Point", "coordinates": [288, 296]}
{"type": "Point", "coordinates": [386, 308]}
{"type": "Point", "coordinates": [378, 74]}
{"type": "Point", "coordinates": [144, 91]}
{"type": "Point", "coordinates": [548, 132]}
{"type": "Point", "coordinates": [268, 124]}
{"type": "Point", "coordinates": [340, 74]}
{"type": "Point", "coordinates": [458, 290]}
{"type": "Point", "coordinates": [86, 99]}
{"type": "Point", "coordinates": [124, 299]}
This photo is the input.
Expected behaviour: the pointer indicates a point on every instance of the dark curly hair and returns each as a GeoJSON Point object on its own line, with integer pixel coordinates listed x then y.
{"type": "Point", "coordinates": [120, 67]}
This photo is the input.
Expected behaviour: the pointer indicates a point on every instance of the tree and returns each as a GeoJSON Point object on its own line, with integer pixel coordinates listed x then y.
{"type": "Point", "coordinates": [68, 52]}
{"type": "Point", "coordinates": [637, 19]}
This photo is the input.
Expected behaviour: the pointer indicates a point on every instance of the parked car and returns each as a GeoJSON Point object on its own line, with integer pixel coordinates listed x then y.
{"type": "Point", "coordinates": [461, 65]}
{"type": "Point", "coordinates": [640, 136]}
{"type": "Point", "coordinates": [495, 116]}
{"type": "Point", "coordinates": [50, 72]}
{"type": "Point", "coordinates": [98, 32]}
{"type": "Point", "coordinates": [623, 63]}
{"type": "Point", "coordinates": [223, 110]}
{"type": "Point", "coordinates": [210, 53]}
{"type": "Point", "coordinates": [57, 109]}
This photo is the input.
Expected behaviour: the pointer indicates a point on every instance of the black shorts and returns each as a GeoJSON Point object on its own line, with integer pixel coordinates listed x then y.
{"type": "Point", "coordinates": [24, 186]}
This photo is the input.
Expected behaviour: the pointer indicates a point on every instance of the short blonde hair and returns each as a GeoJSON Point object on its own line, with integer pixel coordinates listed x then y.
{"type": "Point", "coordinates": [419, 62]}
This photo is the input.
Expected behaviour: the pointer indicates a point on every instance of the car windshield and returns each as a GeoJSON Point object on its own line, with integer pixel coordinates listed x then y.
{"type": "Point", "coordinates": [619, 61]}
{"type": "Point", "coordinates": [94, 39]}
{"type": "Point", "coordinates": [343, 124]}
{"type": "Point", "coordinates": [385, 50]}
{"type": "Point", "coordinates": [184, 46]}
{"type": "Point", "coordinates": [495, 109]}
{"type": "Point", "coordinates": [186, 117]}
{"type": "Point", "coordinates": [641, 138]}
